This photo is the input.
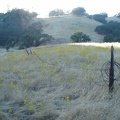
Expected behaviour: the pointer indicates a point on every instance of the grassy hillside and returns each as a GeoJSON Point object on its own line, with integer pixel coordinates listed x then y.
{"type": "Point", "coordinates": [61, 28]}
{"type": "Point", "coordinates": [62, 82]}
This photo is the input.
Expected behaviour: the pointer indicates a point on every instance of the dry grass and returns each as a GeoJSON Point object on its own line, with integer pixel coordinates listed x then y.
{"type": "Point", "coordinates": [61, 28]}
{"type": "Point", "coordinates": [68, 90]}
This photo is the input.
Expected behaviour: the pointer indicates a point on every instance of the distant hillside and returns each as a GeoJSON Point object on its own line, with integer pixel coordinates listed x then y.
{"type": "Point", "coordinates": [61, 28]}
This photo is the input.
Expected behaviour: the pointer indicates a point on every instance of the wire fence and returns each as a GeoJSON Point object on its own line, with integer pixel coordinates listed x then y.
{"type": "Point", "coordinates": [102, 73]}
{"type": "Point", "coordinates": [25, 85]}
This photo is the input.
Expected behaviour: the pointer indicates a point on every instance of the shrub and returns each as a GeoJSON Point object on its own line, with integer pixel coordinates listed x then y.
{"type": "Point", "coordinates": [80, 37]}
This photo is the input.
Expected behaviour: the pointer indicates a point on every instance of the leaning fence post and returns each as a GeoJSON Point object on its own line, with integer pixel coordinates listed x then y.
{"type": "Point", "coordinates": [111, 72]}
{"type": "Point", "coordinates": [26, 50]}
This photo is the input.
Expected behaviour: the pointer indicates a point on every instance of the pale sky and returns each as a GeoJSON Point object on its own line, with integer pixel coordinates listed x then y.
{"type": "Point", "coordinates": [43, 7]}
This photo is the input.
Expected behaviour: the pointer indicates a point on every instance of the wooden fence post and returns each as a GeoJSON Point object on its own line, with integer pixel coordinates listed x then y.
{"type": "Point", "coordinates": [111, 72]}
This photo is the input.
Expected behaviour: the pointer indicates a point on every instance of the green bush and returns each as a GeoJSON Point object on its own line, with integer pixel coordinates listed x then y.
{"type": "Point", "coordinates": [80, 37]}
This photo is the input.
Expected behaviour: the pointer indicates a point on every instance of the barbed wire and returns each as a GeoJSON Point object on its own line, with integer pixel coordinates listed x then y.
{"type": "Point", "coordinates": [104, 70]}
{"type": "Point", "coordinates": [48, 64]}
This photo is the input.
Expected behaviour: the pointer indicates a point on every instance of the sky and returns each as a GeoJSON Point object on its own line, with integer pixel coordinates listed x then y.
{"type": "Point", "coordinates": [43, 7]}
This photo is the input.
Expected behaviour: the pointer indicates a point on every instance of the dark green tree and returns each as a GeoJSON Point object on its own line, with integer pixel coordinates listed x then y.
{"type": "Point", "coordinates": [56, 12]}
{"type": "Point", "coordinates": [13, 24]}
{"type": "Point", "coordinates": [32, 34]}
{"type": "Point", "coordinates": [104, 14]}
{"type": "Point", "coordinates": [80, 37]}
{"type": "Point", "coordinates": [100, 18]}
{"type": "Point", "coordinates": [78, 11]}
{"type": "Point", "coordinates": [109, 38]}
{"type": "Point", "coordinates": [111, 30]}
{"type": "Point", "coordinates": [21, 27]}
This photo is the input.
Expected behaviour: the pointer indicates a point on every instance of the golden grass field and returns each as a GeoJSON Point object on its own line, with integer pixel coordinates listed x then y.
{"type": "Point", "coordinates": [64, 83]}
